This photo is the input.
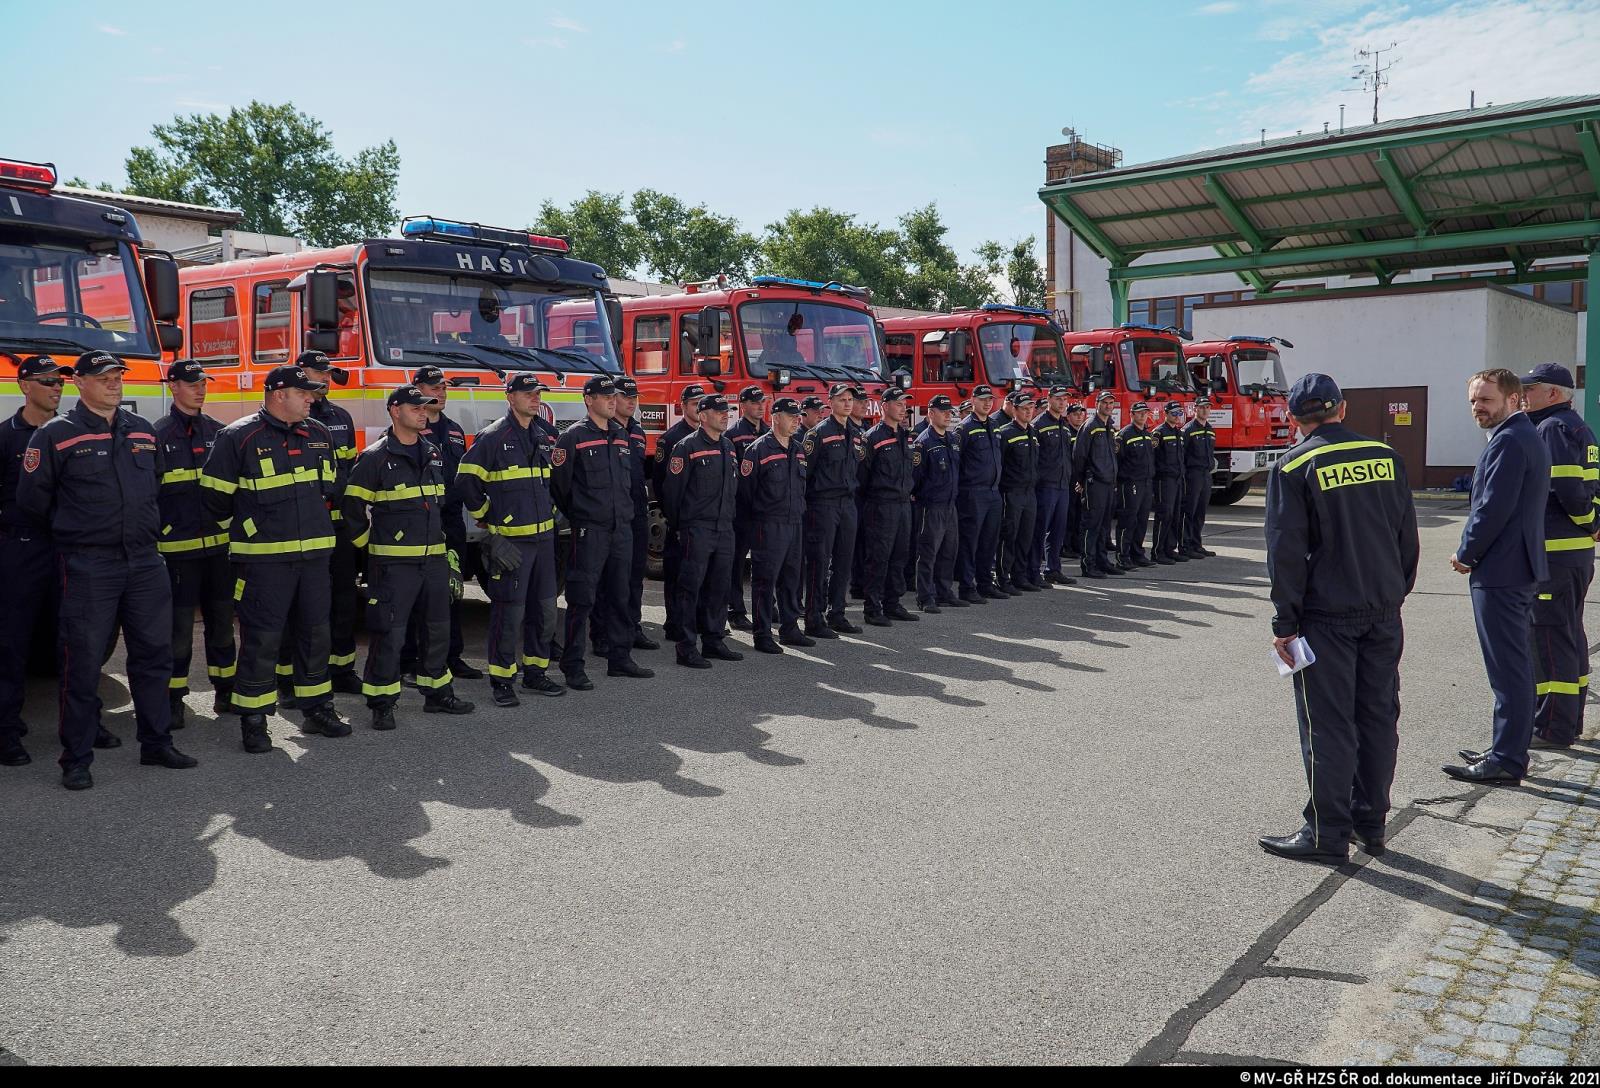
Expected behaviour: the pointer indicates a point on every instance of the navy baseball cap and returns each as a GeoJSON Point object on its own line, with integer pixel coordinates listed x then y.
{"type": "Point", "coordinates": [93, 363]}
{"type": "Point", "coordinates": [1313, 393]}
{"type": "Point", "coordinates": [627, 386]}
{"type": "Point", "coordinates": [1174, 408]}
{"type": "Point", "coordinates": [38, 367]}
{"type": "Point", "coordinates": [841, 387]}
{"type": "Point", "coordinates": [786, 406]}
{"type": "Point", "coordinates": [752, 394]}
{"type": "Point", "coordinates": [1103, 397]}
{"type": "Point", "coordinates": [813, 404]}
{"type": "Point", "coordinates": [982, 391]}
{"type": "Point", "coordinates": [1202, 402]}
{"type": "Point", "coordinates": [713, 402]}
{"type": "Point", "coordinates": [1060, 391]}
{"type": "Point", "coordinates": [409, 394]}
{"type": "Point", "coordinates": [1140, 406]}
{"type": "Point", "coordinates": [691, 391]}
{"type": "Point", "coordinates": [859, 391]}
{"type": "Point", "coordinates": [1076, 408]}
{"type": "Point", "coordinates": [313, 360]}
{"type": "Point", "coordinates": [428, 375]}
{"type": "Point", "coordinates": [1549, 374]}
{"type": "Point", "coordinates": [523, 383]}
{"type": "Point", "coordinates": [1020, 397]}
{"type": "Point", "coordinates": [894, 393]}
{"type": "Point", "coordinates": [186, 370]}
{"type": "Point", "coordinates": [942, 403]}
{"type": "Point", "coordinates": [601, 385]}
{"type": "Point", "coordinates": [292, 377]}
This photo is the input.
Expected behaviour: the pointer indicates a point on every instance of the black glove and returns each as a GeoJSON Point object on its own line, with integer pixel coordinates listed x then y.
{"type": "Point", "coordinates": [500, 556]}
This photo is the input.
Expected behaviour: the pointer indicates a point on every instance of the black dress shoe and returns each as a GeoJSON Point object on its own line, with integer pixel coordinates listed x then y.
{"type": "Point", "coordinates": [504, 694]}
{"type": "Point", "coordinates": [691, 659]}
{"type": "Point", "coordinates": [994, 593]}
{"type": "Point", "coordinates": [1114, 571]}
{"type": "Point", "coordinates": [1026, 587]}
{"type": "Point", "coordinates": [77, 778]}
{"type": "Point", "coordinates": [460, 670]}
{"type": "Point", "coordinates": [176, 709]}
{"type": "Point", "coordinates": [820, 630]}
{"type": "Point", "coordinates": [1489, 771]}
{"type": "Point", "coordinates": [972, 596]}
{"type": "Point", "coordinates": [13, 754]}
{"type": "Point", "coordinates": [168, 757]}
{"type": "Point", "coordinates": [630, 668]}
{"type": "Point", "coordinates": [1470, 756]}
{"type": "Point", "coordinates": [1166, 562]}
{"type": "Point", "coordinates": [768, 646]}
{"type": "Point", "coordinates": [1177, 557]}
{"type": "Point", "coordinates": [383, 718]}
{"type": "Point", "coordinates": [579, 681]}
{"type": "Point", "coordinates": [538, 681]}
{"type": "Point", "coordinates": [253, 731]}
{"type": "Point", "coordinates": [792, 636]}
{"type": "Point", "coordinates": [955, 602]}
{"type": "Point", "coordinates": [446, 704]}
{"type": "Point", "coordinates": [325, 720]}
{"type": "Point", "coordinates": [1545, 745]}
{"type": "Point", "coordinates": [719, 650]}
{"type": "Point", "coordinates": [930, 608]}
{"type": "Point", "coordinates": [1206, 553]}
{"type": "Point", "coordinates": [642, 641]}
{"type": "Point", "coordinates": [1371, 842]}
{"type": "Point", "coordinates": [739, 622]}
{"type": "Point", "coordinates": [875, 619]}
{"type": "Point", "coordinates": [1094, 574]}
{"type": "Point", "coordinates": [346, 683]}
{"type": "Point", "coordinates": [898, 612]}
{"type": "Point", "coordinates": [843, 626]}
{"type": "Point", "coordinates": [1302, 846]}
{"type": "Point", "coordinates": [1065, 580]}
{"type": "Point", "coordinates": [1144, 561]}
{"type": "Point", "coordinates": [105, 738]}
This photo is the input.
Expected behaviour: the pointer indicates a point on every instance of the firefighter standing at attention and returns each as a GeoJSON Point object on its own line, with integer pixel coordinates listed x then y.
{"type": "Point", "coordinates": [342, 566]}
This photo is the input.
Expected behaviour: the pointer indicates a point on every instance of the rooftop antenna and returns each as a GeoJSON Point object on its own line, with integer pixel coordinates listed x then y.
{"type": "Point", "coordinates": [1341, 118]}
{"type": "Point", "coordinates": [1374, 73]}
{"type": "Point", "coordinates": [1472, 100]}
{"type": "Point", "coordinates": [1263, 137]}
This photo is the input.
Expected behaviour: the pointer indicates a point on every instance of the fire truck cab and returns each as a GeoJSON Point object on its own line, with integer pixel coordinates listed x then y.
{"type": "Point", "coordinates": [997, 345]}
{"type": "Point", "coordinates": [1249, 408]}
{"type": "Point", "coordinates": [478, 302]}
{"type": "Point", "coordinates": [1136, 363]}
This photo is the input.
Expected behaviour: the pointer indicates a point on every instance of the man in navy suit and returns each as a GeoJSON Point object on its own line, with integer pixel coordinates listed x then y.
{"type": "Point", "coordinates": [1502, 549]}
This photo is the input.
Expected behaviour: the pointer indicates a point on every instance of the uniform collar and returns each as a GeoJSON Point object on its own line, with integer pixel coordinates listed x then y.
{"type": "Point", "coordinates": [93, 421]}
{"type": "Point", "coordinates": [390, 442]}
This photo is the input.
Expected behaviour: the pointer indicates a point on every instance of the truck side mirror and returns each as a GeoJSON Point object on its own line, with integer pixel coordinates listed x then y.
{"type": "Point", "coordinates": [322, 304]}
{"type": "Point", "coordinates": [708, 332]}
{"type": "Point", "coordinates": [323, 341]}
{"type": "Point", "coordinates": [170, 336]}
{"type": "Point", "coordinates": [161, 274]}
{"type": "Point", "coordinates": [614, 319]}
{"type": "Point", "coordinates": [1219, 384]}
{"type": "Point", "coordinates": [708, 366]}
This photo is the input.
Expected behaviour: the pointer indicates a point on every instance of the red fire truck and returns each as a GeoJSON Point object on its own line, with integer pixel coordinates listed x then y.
{"type": "Point", "coordinates": [996, 345]}
{"type": "Point", "coordinates": [1136, 362]}
{"type": "Point", "coordinates": [793, 337]}
{"type": "Point", "coordinates": [1249, 408]}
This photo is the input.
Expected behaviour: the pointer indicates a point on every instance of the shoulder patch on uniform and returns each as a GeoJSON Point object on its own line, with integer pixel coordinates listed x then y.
{"type": "Point", "coordinates": [810, 443]}
{"type": "Point", "coordinates": [746, 467]}
{"type": "Point", "coordinates": [661, 452]}
{"type": "Point", "coordinates": [559, 456]}
{"type": "Point", "coordinates": [676, 466]}
{"type": "Point", "coordinates": [30, 459]}
{"type": "Point", "coordinates": [916, 455]}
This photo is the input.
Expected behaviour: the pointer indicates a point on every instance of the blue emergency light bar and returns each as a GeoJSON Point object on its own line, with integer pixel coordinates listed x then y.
{"type": "Point", "coordinates": [450, 230]}
{"type": "Point", "coordinates": [812, 285]}
{"type": "Point", "coordinates": [1171, 330]}
{"type": "Point", "coordinates": [1262, 340]}
{"type": "Point", "coordinates": [1012, 308]}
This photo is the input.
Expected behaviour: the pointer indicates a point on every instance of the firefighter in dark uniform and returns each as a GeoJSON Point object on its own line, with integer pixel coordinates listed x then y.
{"type": "Point", "coordinates": [446, 434]}
{"type": "Point", "coordinates": [978, 501]}
{"type": "Point", "coordinates": [813, 410]}
{"type": "Point", "coordinates": [1095, 469]}
{"type": "Point", "coordinates": [91, 475]}
{"type": "Point", "coordinates": [935, 472]}
{"type": "Point", "coordinates": [885, 486]}
{"type": "Point", "coordinates": [861, 420]}
{"type": "Point", "coordinates": [1019, 480]}
{"type": "Point", "coordinates": [503, 481]}
{"type": "Point", "coordinates": [592, 481]}
{"type": "Point", "coordinates": [638, 467]}
{"type": "Point", "coordinates": [699, 500]}
{"type": "Point", "coordinates": [1167, 442]}
{"type": "Point", "coordinates": [1560, 643]}
{"type": "Point", "coordinates": [750, 426]}
{"type": "Point", "coordinates": [833, 451]}
{"type": "Point", "coordinates": [1136, 466]}
{"type": "Point", "coordinates": [270, 477]}
{"type": "Point", "coordinates": [689, 406]}
{"type": "Point", "coordinates": [1342, 555]}
{"type": "Point", "coordinates": [1199, 455]}
{"type": "Point", "coordinates": [393, 505]}
{"type": "Point", "coordinates": [1077, 414]}
{"type": "Point", "coordinates": [193, 543]}
{"type": "Point", "coordinates": [772, 502]}
{"type": "Point", "coordinates": [1054, 489]}
{"type": "Point", "coordinates": [342, 566]}
{"type": "Point", "coordinates": [29, 590]}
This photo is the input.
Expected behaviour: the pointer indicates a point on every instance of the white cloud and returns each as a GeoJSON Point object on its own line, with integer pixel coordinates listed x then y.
{"type": "Point", "coordinates": [200, 104]}
{"type": "Point", "coordinates": [1505, 50]}
{"type": "Point", "coordinates": [1223, 7]}
{"type": "Point", "coordinates": [560, 22]}
{"type": "Point", "coordinates": [114, 31]}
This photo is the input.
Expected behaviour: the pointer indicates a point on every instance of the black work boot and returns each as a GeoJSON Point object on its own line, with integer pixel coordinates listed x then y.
{"type": "Point", "coordinates": [175, 703]}
{"type": "Point", "coordinates": [325, 720]}
{"type": "Point", "coordinates": [383, 718]}
{"type": "Point", "coordinates": [253, 728]}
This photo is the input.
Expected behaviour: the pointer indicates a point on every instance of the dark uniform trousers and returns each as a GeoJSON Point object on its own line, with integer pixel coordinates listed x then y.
{"type": "Point", "coordinates": [273, 600]}
{"type": "Point", "coordinates": [204, 582]}
{"type": "Point", "coordinates": [522, 610]}
{"type": "Point", "coordinates": [1074, 532]}
{"type": "Point", "coordinates": [1134, 518]}
{"type": "Point", "coordinates": [1167, 502]}
{"type": "Point", "coordinates": [936, 552]}
{"type": "Point", "coordinates": [886, 542]}
{"type": "Point", "coordinates": [27, 593]}
{"type": "Point", "coordinates": [1498, 611]}
{"type": "Point", "coordinates": [1348, 704]}
{"type": "Point", "coordinates": [416, 628]}
{"type": "Point", "coordinates": [979, 535]}
{"type": "Point", "coordinates": [703, 582]}
{"type": "Point", "coordinates": [638, 556]}
{"type": "Point", "coordinates": [742, 533]}
{"type": "Point", "coordinates": [671, 560]}
{"type": "Point", "coordinates": [397, 592]}
{"type": "Point", "coordinates": [775, 575]}
{"type": "Point", "coordinates": [598, 561]}
{"type": "Point", "coordinates": [1018, 513]}
{"type": "Point", "coordinates": [1561, 651]}
{"type": "Point", "coordinates": [1196, 498]}
{"type": "Point", "coordinates": [830, 547]}
{"type": "Point", "coordinates": [343, 603]}
{"type": "Point", "coordinates": [102, 588]}
{"type": "Point", "coordinates": [858, 564]}
{"type": "Point", "coordinates": [1050, 529]}
{"type": "Point", "coordinates": [1096, 519]}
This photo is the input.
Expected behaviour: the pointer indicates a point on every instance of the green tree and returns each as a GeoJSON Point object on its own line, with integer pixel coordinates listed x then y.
{"type": "Point", "coordinates": [683, 244]}
{"type": "Point", "coordinates": [1025, 274]}
{"type": "Point", "coordinates": [824, 244]}
{"type": "Point", "coordinates": [599, 229]}
{"type": "Point", "coordinates": [277, 166]}
{"type": "Point", "coordinates": [935, 278]}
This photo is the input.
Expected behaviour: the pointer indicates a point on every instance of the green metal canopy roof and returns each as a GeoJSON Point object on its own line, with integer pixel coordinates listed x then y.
{"type": "Point", "coordinates": [1508, 184]}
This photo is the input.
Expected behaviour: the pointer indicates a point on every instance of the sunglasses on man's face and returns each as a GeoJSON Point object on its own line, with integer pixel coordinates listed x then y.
{"type": "Point", "coordinates": [48, 383]}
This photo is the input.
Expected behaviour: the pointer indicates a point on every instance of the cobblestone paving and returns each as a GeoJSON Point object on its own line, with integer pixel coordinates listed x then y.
{"type": "Point", "coordinates": [1516, 978]}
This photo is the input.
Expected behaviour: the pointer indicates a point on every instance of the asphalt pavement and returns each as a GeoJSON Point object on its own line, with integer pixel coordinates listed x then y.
{"type": "Point", "coordinates": [1018, 833]}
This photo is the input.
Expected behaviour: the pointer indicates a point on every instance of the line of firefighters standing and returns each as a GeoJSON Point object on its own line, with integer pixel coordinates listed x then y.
{"type": "Point", "coordinates": [267, 521]}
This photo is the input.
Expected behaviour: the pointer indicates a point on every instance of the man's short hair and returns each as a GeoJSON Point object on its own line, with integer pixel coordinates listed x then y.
{"type": "Point", "coordinates": [1506, 380]}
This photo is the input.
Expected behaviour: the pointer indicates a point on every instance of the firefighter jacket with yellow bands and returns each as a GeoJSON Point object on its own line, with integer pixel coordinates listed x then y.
{"type": "Point", "coordinates": [1569, 512]}
{"type": "Point", "coordinates": [504, 480]}
{"type": "Point", "coordinates": [394, 500]}
{"type": "Point", "coordinates": [342, 429]}
{"type": "Point", "coordinates": [188, 529]}
{"type": "Point", "coordinates": [275, 481]}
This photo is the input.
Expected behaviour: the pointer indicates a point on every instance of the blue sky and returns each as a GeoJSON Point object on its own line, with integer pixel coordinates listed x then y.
{"type": "Point", "coordinates": [869, 108]}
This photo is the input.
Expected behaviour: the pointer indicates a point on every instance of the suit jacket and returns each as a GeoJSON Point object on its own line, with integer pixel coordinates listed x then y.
{"type": "Point", "coordinates": [1503, 541]}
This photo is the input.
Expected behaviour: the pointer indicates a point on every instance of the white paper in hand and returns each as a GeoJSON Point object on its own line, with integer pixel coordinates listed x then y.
{"type": "Point", "coordinates": [1300, 650]}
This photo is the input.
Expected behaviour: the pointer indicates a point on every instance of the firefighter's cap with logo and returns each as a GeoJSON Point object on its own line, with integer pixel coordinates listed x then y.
{"type": "Point", "coordinates": [786, 406]}
{"type": "Point", "coordinates": [91, 364]}
{"type": "Point", "coordinates": [752, 394]}
{"type": "Point", "coordinates": [39, 366]}
{"type": "Point", "coordinates": [409, 394]}
{"type": "Point", "coordinates": [1313, 393]}
{"type": "Point", "coordinates": [186, 370]}
{"type": "Point", "coordinates": [523, 383]}
{"type": "Point", "coordinates": [291, 377]}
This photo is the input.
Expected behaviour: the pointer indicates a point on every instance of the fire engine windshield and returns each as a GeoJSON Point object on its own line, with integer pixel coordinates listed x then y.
{"type": "Point", "coordinates": [70, 295]}
{"type": "Point", "coordinates": [1258, 369]}
{"type": "Point", "coordinates": [812, 339]}
{"type": "Point", "coordinates": [1016, 350]}
{"type": "Point", "coordinates": [1155, 362]}
{"type": "Point", "coordinates": [421, 317]}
